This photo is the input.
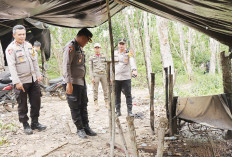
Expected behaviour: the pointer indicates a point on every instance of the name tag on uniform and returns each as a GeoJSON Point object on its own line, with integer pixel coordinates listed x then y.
{"type": "Point", "coordinates": [21, 59]}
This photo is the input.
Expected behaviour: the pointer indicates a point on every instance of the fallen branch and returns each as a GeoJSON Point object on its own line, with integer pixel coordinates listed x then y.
{"type": "Point", "coordinates": [54, 149]}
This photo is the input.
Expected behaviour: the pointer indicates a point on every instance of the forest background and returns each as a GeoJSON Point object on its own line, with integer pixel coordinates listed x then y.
{"type": "Point", "coordinates": [157, 43]}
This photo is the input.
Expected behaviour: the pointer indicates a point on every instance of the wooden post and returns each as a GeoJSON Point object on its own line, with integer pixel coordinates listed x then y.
{"type": "Point", "coordinates": [227, 84]}
{"type": "Point", "coordinates": [122, 137]}
{"type": "Point", "coordinates": [152, 103]}
{"type": "Point", "coordinates": [174, 102]}
{"type": "Point", "coordinates": [130, 121]}
{"type": "Point", "coordinates": [170, 102]}
{"type": "Point", "coordinates": [226, 73]}
{"type": "Point", "coordinates": [109, 98]}
{"type": "Point", "coordinates": [113, 81]}
{"type": "Point", "coordinates": [161, 133]}
{"type": "Point", "coordinates": [166, 90]}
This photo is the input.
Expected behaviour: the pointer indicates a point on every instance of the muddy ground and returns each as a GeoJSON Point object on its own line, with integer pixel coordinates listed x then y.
{"type": "Point", "coordinates": [60, 139]}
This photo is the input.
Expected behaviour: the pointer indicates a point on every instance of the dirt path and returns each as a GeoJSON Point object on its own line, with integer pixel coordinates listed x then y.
{"type": "Point", "coordinates": [60, 139]}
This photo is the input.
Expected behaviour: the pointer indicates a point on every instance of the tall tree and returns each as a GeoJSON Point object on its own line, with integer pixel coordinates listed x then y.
{"type": "Point", "coordinates": [165, 51]}
{"type": "Point", "coordinates": [128, 28]}
{"type": "Point", "coordinates": [218, 58]}
{"type": "Point", "coordinates": [186, 57]}
{"type": "Point", "coordinates": [147, 52]}
{"type": "Point", "coordinates": [213, 49]}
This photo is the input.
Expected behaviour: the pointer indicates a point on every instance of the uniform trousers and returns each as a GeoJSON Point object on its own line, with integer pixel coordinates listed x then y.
{"type": "Point", "coordinates": [32, 90]}
{"type": "Point", "coordinates": [126, 86]}
{"type": "Point", "coordinates": [100, 78]}
{"type": "Point", "coordinates": [78, 106]}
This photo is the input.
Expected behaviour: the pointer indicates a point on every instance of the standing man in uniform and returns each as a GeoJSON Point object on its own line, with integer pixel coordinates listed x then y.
{"type": "Point", "coordinates": [74, 71]}
{"type": "Point", "coordinates": [97, 69]}
{"type": "Point", "coordinates": [25, 75]}
{"type": "Point", "coordinates": [123, 69]}
{"type": "Point", "coordinates": [36, 48]}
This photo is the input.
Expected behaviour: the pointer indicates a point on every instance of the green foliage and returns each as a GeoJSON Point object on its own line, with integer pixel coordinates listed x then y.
{"type": "Point", "coordinates": [203, 84]}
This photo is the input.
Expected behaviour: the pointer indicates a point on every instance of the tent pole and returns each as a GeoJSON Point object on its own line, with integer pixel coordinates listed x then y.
{"type": "Point", "coordinates": [113, 81]}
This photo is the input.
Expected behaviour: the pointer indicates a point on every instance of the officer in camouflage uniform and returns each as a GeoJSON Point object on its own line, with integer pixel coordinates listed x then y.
{"type": "Point", "coordinates": [125, 66]}
{"type": "Point", "coordinates": [97, 69]}
{"type": "Point", "coordinates": [74, 71]}
{"type": "Point", "coordinates": [24, 69]}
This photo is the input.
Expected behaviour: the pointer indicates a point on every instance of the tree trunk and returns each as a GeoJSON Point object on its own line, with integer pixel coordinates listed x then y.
{"type": "Point", "coordinates": [165, 51]}
{"type": "Point", "coordinates": [188, 59]}
{"type": "Point", "coordinates": [129, 32]}
{"type": "Point", "coordinates": [213, 49]}
{"type": "Point", "coordinates": [143, 49]}
{"type": "Point", "coordinates": [218, 58]}
{"type": "Point", "coordinates": [147, 50]}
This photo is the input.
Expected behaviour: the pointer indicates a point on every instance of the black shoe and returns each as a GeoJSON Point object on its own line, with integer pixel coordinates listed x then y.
{"type": "Point", "coordinates": [38, 126]}
{"type": "Point", "coordinates": [90, 132]}
{"type": "Point", "coordinates": [27, 128]}
{"type": "Point", "coordinates": [81, 133]}
{"type": "Point", "coordinates": [130, 114]}
{"type": "Point", "coordinates": [118, 113]}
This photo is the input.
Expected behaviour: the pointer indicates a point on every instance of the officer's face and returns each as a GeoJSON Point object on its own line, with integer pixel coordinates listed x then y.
{"type": "Point", "coordinates": [84, 40]}
{"type": "Point", "coordinates": [37, 48]}
{"type": "Point", "coordinates": [20, 35]}
{"type": "Point", "coordinates": [121, 46]}
{"type": "Point", "coordinates": [97, 49]}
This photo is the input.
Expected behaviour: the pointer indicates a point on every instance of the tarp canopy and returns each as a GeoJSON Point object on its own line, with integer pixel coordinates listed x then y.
{"type": "Point", "coordinates": [213, 18]}
{"type": "Point", "coordinates": [213, 110]}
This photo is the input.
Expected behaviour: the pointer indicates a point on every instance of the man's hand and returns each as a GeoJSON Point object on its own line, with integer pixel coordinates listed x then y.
{"type": "Point", "coordinates": [39, 79]}
{"type": "Point", "coordinates": [20, 86]}
{"type": "Point", "coordinates": [134, 73]}
{"type": "Point", "coordinates": [92, 81]}
{"type": "Point", "coordinates": [69, 88]}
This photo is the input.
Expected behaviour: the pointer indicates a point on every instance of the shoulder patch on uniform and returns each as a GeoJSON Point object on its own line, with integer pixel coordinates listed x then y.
{"type": "Point", "coordinates": [71, 48]}
{"type": "Point", "coordinates": [10, 51]}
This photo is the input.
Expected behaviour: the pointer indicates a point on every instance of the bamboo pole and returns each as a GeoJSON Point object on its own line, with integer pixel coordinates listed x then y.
{"type": "Point", "coordinates": [166, 90]}
{"type": "Point", "coordinates": [109, 98]}
{"type": "Point", "coordinates": [130, 121]}
{"type": "Point", "coordinates": [170, 102]}
{"type": "Point", "coordinates": [152, 103]}
{"type": "Point", "coordinates": [113, 80]}
{"type": "Point", "coordinates": [122, 137]}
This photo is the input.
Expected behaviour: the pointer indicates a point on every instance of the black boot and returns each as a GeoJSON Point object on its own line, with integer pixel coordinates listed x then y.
{"type": "Point", "coordinates": [37, 125]}
{"type": "Point", "coordinates": [89, 131]}
{"type": "Point", "coordinates": [81, 133]}
{"type": "Point", "coordinates": [118, 112]}
{"type": "Point", "coordinates": [129, 111]}
{"type": "Point", "coordinates": [27, 128]}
